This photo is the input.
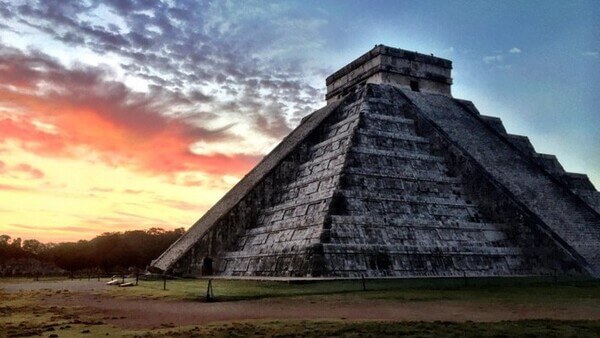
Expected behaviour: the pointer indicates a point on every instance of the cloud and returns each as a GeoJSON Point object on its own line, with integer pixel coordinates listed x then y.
{"type": "Point", "coordinates": [101, 190]}
{"type": "Point", "coordinates": [213, 51]}
{"type": "Point", "coordinates": [515, 50]}
{"type": "Point", "coordinates": [32, 172]}
{"type": "Point", "coordinates": [10, 187]}
{"type": "Point", "coordinates": [180, 205]}
{"type": "Point", "coordinates": [591, 54]}
{"type": "Point", "coordinates": [61, 229]}
{"type": "Point", "coordinates": [63, 111]}
{"type": "Point", "coordinates": [493, 59]}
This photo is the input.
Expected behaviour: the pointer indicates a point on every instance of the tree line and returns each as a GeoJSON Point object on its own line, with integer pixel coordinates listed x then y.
{"type": "Point", "coordinates": [108, 252]}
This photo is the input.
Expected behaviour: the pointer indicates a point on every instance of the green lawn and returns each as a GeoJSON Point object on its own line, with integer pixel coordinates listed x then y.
{"type": "Point", "coordinates": [523, 290]}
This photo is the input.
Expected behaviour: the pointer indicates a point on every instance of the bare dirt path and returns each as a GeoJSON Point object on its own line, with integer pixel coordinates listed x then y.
{"type": "Point", "coordinates": [145, 313]}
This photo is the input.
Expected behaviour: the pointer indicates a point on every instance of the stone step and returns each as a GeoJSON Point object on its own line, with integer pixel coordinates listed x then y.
{"type": "Point", "coordinates": [388, 118]}
{"type": "Point", "coordinates": [409, 176]}
{"type": "Point", "coordinates": [373, 140]}
{"type": "Point", "coordinates": [395, 186]}
{"type": "Point", "coordinates": [394, 136]}
{"type": "Point", "coordinates": [397, 154]}
{"type": "Point", "coordinates": [327, 157]}
{"type": "Point", "coordinates": [370, 195]}
{"type": "Point", "coordinates": [301, 202]}
{"type": "Point", "coordinates": [420, 249]}
{"type": "Point", "coordinates": [408, 220]}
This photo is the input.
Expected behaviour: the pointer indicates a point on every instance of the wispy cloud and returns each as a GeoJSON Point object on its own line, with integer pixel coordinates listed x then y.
{"type": "Point", "coordinates": [515, 50]}
{"type": "Point", "coordinates": [10, 187]}
{"type": "Point", "coordinates": [30, 171]}
{"type": "Point", "coordinates": [591, 54]}
{"type": "Point", "coordinates": [490, 59]}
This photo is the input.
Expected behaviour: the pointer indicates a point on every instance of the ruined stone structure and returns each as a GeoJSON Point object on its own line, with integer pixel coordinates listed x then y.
{"type": "Point", "coordinates": [395, 177]}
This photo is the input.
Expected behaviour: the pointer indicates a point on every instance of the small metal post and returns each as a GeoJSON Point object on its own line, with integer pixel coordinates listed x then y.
{"type": "Point", "coordinates": [98, 276]}
{"type": "Point", "coordinates": [209, 292]}
{"type": "Point", "coordinates": [465, 277]}
{"type": "Point", "coordinates": [364, 285]}
{"type": "Point", "coordinates": [555, 276]}
{"type": "Point", "coordinates": [137, 278]}
{"type": "Point", "coordinates": [122, 278]}
{"type": "Point", "coordinates": [164, 282]}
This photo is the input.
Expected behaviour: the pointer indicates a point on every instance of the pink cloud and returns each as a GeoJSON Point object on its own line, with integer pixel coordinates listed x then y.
{"type": "Point", "coordinates": [34, 173]}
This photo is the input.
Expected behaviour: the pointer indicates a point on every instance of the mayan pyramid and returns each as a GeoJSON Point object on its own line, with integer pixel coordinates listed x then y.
{"type": "Point", "coordinates": [395, 177]}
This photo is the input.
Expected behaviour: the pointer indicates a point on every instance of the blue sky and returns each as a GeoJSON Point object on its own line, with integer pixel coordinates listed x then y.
{"type": "Point", "coordinates": [122, 113]}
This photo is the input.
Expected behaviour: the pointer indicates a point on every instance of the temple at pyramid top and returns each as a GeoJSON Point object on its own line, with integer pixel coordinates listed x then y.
{"type": "Point", "coordinates": [394, 66]}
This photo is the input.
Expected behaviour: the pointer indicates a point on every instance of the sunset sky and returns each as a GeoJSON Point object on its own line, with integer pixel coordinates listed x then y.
{"type": "Point", "coordinates": [118, 115]}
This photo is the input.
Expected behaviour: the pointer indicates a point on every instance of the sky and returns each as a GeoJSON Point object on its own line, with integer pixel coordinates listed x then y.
{"type": "Point", "coordinates": [120, 114]}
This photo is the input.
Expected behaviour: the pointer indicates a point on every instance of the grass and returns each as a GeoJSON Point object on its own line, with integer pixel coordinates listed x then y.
{"type": "Point", "coordinates": [22, 314]}
{"type": "Point", "coordinates": [25, 313]}
{"type": "Point", "coordinates": [525, 290]}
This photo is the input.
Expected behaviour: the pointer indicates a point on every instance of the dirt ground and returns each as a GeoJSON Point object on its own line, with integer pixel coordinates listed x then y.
{"type": "Point", "coordinates": [154, 313]}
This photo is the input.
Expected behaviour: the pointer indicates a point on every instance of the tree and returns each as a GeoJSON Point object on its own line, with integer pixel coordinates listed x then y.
{"type": "Point", "coordinates": [34, 246]}
{"type": "Point", "coordinates": [4, 240]}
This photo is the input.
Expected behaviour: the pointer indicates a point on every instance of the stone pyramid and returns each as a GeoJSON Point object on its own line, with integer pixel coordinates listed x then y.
{"type": "Point", "coordinates": [395, 177]}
